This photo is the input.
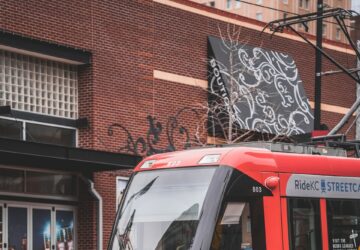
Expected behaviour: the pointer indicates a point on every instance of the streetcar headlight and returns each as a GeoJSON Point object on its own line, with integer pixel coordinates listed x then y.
{"type": "Point", "coordinates": [208, 159]}
{"type": "Point", "coordinates": [147, 164]}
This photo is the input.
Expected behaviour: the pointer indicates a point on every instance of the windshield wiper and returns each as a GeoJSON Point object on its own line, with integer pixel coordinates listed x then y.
{"type": "Point", "coordinates": [124, 239]}
{"type": "Point", "coordinates": [143, 190]}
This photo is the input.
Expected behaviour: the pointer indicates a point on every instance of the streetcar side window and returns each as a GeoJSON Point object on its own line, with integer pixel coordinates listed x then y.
{"type": "Point", "coordinates": [241, 226]}
{"type": "Point", "coordinates": [304, 224]}
{"type": "Point", "coordinates": [343, 218]}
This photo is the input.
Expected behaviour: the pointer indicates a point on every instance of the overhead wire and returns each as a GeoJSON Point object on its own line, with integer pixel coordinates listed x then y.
{"type": "Point", "coordinates": [292, 13]}
{"type": "Point", "coordinates": [288, 12]}
{"type": "Point", "coordinates": [353, 122]}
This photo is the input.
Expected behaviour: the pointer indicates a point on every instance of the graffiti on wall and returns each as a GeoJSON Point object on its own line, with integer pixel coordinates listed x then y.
{"type": "Point", "coordinates": [260, 88]}
{"type": "Point", "coordinates": [159, 138]}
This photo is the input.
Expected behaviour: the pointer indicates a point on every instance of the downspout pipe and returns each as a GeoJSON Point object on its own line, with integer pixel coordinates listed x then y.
{"type": "Point", "coordinates": [99, 199]}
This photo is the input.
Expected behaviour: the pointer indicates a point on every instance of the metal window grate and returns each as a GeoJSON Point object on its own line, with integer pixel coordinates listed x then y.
{"type": "Point", "coordinates": [39, 86]}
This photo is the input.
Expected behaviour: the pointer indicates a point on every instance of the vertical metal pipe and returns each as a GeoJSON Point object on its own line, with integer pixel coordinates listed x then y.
{"type": "Point", "coordinates": [98, 197]}
{"type": "Point", "coordinates": [358, 89]}
{"type": "Point", "coordinates": [318, 61]}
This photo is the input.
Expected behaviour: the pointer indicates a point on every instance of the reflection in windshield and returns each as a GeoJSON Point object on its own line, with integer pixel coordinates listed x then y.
{"type": "Point", "coordinates": [162, 209]}
{"type": "Point", "coordinates": [181, 229]}
{"type": "Point", "coordinates": [142, 191]}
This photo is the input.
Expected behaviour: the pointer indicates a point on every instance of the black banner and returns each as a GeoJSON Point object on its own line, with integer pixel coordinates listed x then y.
{"type": "Point", "coordinates": [260, 89]}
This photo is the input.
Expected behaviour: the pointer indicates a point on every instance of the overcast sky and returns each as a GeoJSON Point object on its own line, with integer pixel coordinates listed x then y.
{"type": "Point", "coordinates": [356, 5]}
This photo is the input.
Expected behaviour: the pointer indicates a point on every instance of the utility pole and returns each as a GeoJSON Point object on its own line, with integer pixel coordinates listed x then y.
{"type": "Point", "coordinates": [318, 61]}
{"type": "Point", "coordinates": [357, 133]}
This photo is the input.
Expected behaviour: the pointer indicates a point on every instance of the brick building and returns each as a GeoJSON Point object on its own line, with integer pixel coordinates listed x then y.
{"type": "Point", "coordinates": [102, 82]}
{"type": "Point", "coordinates": [278, 9]}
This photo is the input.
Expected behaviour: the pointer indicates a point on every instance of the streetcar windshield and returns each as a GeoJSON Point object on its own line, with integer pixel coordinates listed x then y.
{"type": "Point", "coordinates": [162, 209]}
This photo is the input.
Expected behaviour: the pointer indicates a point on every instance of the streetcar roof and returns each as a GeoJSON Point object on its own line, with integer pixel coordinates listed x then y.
{"type": "Point", "coordinates": [255, 160]}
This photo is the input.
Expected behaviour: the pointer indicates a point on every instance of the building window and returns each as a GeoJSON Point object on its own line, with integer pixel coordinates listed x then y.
{"type": "Point", "coordinates": [37, 183]}
{"type": "Point", "coordinates": [285, 1]}
{"type": "Point", "coordinates": [324, 30]}
{"type": "Point", "coordinates": [212, 3]}
{"type": "Point", "coordinates": [259, 1]}
{"type": "Point", "coordinates": [50, 134]}
{"type": "Point", "coordinates": [12, 180]}
{"type": "Point", "coordinates": [50, 183]}
{"type": "Point", "coordinates": [237, 4]}
{"type": "Point", "coordinates": [338, 33]}
{"type": "Point", "coordinates": [259, 16]}
{"type": "Point", "coordinates": [304, 4]}
{"type": "Point", "coordinates": [228, 4]}
{"type": "Point", "coordinates": [12, 128]}
{"type": "Point", "coordinates": [38, 86]}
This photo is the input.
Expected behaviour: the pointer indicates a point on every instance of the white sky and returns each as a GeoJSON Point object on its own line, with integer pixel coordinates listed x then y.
{"type": "Point", "coordinates": [355, 5]}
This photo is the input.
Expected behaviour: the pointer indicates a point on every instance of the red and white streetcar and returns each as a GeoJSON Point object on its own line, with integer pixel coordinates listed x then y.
{"type": "Point", "coordinates": [273, 197]}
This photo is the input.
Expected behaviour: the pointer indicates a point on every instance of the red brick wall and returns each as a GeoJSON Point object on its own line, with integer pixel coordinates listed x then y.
{"type": "Point", "coordinates": [129, 39]}
{"type": "Point", "coordinates": [86, 105]}
{"type": "Point", "coordinates": [86, 219]}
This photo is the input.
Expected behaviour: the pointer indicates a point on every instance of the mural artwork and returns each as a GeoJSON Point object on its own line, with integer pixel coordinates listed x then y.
{"type": "Point", "coordinates": [260, 89]}
{"type": "Point", "coordinates": [159, 139]}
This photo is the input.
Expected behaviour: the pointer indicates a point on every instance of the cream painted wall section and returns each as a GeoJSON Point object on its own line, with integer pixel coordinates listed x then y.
{"type": "Point", "coordinates": [166, 76]}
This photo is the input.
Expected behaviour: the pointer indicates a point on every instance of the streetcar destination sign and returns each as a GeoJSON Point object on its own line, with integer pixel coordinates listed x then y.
{"type": "Point", "coordinates": [302, 185]}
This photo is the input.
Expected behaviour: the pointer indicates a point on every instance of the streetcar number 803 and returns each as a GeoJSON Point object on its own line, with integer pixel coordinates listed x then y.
{"type": "Point", "coordinates": [256, 189]}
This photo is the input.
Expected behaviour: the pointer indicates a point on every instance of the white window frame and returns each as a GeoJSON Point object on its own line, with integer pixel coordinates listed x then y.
{"type": "Point", "coordinates": [237, 4]}
{"type": "Point", "coordinates": [30, 206]}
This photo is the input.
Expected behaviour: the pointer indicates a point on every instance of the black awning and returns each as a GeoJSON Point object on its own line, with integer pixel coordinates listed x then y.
{"type": "Point", "coordinates": [38, 155]}
{"type": "Point", "coordinates": [41, 48]}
